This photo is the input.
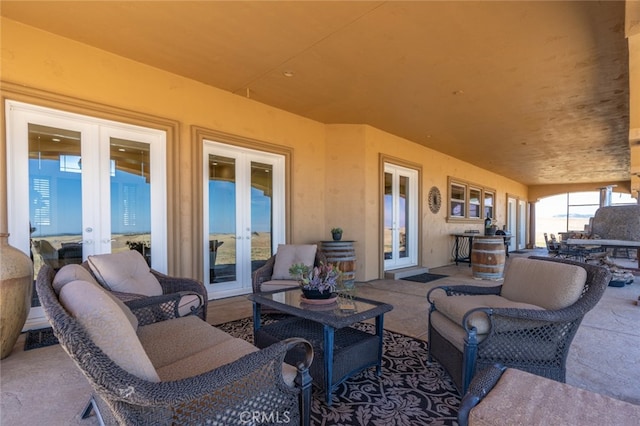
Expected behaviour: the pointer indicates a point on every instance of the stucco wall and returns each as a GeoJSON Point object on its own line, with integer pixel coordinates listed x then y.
{"type": "Point", "coordinates": [335, 169]}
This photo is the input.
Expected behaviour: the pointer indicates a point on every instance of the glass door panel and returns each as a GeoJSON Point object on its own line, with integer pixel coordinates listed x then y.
{"type": "Point", "coordinates": [261, 213]}
{"type": "Point", "coordinates": [403, 215]}
{"type": "Point", "coordinates": [55, 196]}
{"type": "Point", "coordinates": [388, 216]}
{"type": "Point", "coordinates": [222, 219]}
{"type": "Point", "coordinates": [400, 217]}
{"type": "Point", "coordinates": [130, 187]}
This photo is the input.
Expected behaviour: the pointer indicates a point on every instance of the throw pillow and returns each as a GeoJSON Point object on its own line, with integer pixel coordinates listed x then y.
{"type": "Point", "coordinates": [126, 272]}
{"type": "Point", "coordinates": [289, 254]}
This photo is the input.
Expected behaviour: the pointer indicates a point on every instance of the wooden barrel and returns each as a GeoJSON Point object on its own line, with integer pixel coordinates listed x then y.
{"type": "Point", "coordinates": [343, 255]}
{"type": "Point", "coordinates": [487, 258]}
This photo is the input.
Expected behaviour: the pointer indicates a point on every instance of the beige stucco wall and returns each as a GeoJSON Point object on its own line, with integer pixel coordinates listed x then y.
{"type": "Point", "coordinates": [335, 169]}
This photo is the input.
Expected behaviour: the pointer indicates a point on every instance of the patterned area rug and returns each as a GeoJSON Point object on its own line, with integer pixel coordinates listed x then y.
{"type": "Point", "coordinates": [40, 338]}
{"type": "Point", "coordinates": [424, 278]}
{"type": "Point", "coordinates": [409, 392]}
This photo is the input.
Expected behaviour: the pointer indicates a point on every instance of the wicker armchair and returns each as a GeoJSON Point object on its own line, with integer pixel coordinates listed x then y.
{"type": "Point", "coordinates": [170, 285]}
{"type": "Point", "coordinates": [249, 389]}
{"type": "Point", "coordinates": [264, 274]}
{"type": "Point", "coordinates": [514, 331]}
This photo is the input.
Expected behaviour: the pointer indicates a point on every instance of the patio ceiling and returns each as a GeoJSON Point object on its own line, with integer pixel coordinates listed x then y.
{"type": "Point", "coordinates": [535, 91]}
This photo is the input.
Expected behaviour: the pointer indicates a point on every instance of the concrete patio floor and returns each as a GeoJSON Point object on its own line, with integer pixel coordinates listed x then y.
{"type": "Point", "coordinates": [43, 386]}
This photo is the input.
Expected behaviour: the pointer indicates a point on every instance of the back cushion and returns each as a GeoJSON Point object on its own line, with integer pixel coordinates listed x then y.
{"type": "Point", "coordinates": [74, 272]}
{"type": "Point", "coordinates": [289, 254]}
{"type": "Point", "coordinates": [550, 285]}
{"type": "Point", "coordinates": [71, 272]}
{"type": "Point", "coordinates": [126, 271]}
{"type": "Point", "coordinates": [108, 327]}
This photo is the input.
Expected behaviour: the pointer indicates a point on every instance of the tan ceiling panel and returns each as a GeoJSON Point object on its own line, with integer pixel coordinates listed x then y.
{"type": "Point", "coordinates": [521, 88]}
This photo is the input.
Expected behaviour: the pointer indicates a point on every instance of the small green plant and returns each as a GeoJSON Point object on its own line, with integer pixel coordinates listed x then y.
{"type": "Point", "coordinates": [336, 230]}
{"type": "Point", "coordinates": [323, 278]}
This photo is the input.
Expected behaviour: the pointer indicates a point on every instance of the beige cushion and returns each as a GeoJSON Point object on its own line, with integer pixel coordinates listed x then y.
{"type": "Point", "coordinates": [108, 327]}
{"type": "Point", "coordinates": [216, 356]}
{"type": "Point", "coordinates": [75, 272]}
{"type": "Point", "coordinates": [550, 285]}
{"type": "Point", "coordinates": [169, 341]}
{"type": "Point", "coordinates": [278, 285]}
{"type": "Point", "coordinates": [289, 254]}
{"type": "Point", "coordinates": [126, 271]}
{"type": "Point", "coordinates": [451, 331]}
{"type": "Point", "coordinates": [521, 398]}
{"type": "Point", "coordinates": [455, 308]}
{"type": "Point", "coordinates": [71, 272]}
{"type": "Point", "coordinates": [206, 360]}
{"type": "Point", "coordinates": [187, 302]}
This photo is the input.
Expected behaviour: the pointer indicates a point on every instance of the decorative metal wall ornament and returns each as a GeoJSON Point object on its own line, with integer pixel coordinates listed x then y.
{"type": "Point", "coordinates": [435, 200]}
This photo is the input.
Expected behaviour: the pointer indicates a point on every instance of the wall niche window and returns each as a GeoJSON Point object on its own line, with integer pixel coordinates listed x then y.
{"type": "Point", "coordinates": [470, 202]}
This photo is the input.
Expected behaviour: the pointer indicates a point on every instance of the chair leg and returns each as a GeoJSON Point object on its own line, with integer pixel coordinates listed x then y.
{"type": "Point", "coordinates": [469, 359]}
{"type": "Point", "coordinates": [92, 406]}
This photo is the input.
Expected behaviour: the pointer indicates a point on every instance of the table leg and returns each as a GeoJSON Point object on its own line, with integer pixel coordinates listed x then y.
{"type": "Point", "coordinates": [329, 333]}
{"type": "Point", "coordinates": [379, 333]}
{"type": "Point", "coordinates": [257, 308]}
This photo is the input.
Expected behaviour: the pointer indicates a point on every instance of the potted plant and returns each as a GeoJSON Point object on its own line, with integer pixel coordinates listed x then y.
{"type": "Point", "coordinates": [336, 233]}
{"type": "Point", "coordinates": [318, 282]}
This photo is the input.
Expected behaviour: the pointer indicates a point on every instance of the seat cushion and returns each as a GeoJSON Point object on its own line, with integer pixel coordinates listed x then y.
{"type": "Point", "coordinates": [290, 254]}
{"type": "Point", "coordinates": [451, 331]}
{"type": "Point", "coordinates": [187, 302]}
{"type": "Point", "coordinates": [107, 325]}
{"type": "Point", "coordinates": [216, 356]}
{"type": "Point", "coordinates": [551, 285]}
{"type": "Point", "coordinates": [278, 285]}
{"type": "Point", "coordinates": [126, 272]}
{"type": "Point", "coordinates": [169, 341]}
{"type": "Point", "coordinates": [455, 308]}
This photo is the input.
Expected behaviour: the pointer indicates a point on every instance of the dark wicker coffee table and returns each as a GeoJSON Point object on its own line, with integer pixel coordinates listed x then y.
{"type": "Point", "coordinates": [340, 351]}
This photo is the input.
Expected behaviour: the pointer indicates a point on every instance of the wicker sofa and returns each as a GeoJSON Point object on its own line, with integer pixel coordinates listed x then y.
{"type": "Point", "coordinates": [148, 366]}
{"type": "Point", "coordinates": [528, 322]}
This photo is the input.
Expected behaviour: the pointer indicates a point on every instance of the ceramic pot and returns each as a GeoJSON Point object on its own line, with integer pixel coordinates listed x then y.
{"type": "Point", "coordinates": [16, 288]}
{"type": "Point", "coordinates": [315, 294]}
{"type": "Point", "coordinates": [337, 236]}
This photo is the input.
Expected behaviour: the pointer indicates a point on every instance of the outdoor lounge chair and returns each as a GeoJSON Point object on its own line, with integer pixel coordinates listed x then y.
{"type": "Point", "coordinates": [528, 322]}
{"type": "Point", "coordinates": [149, 367]}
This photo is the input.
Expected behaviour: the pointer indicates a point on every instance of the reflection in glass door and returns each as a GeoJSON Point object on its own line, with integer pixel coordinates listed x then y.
{"type": "Point", "coordinates": [244, 208]}
{"type": "Point", "coordinates": [80, 186]}
{"type": "Point", "coordinates": [55, 196]}
{"type": "Point", "coordinates": [130, 175]}
{"type": "Point", "coordinates": [400, 217]}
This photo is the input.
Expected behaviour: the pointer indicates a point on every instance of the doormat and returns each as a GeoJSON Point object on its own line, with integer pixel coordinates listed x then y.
{"type": "Point", "coordinates": [424, 278]}
{"type": "Point", "coordinates": [519, 251]}
{"type": "Point", "coordinates": [40, 338]}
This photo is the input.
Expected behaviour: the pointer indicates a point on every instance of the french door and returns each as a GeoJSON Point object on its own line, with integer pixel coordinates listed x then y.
{"type": "Point", "coordinates": [244, 214]}
{"type": "Point", "coordinates": [79, 186]}
{"type": "Point", "coordinates": [400, 217]}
